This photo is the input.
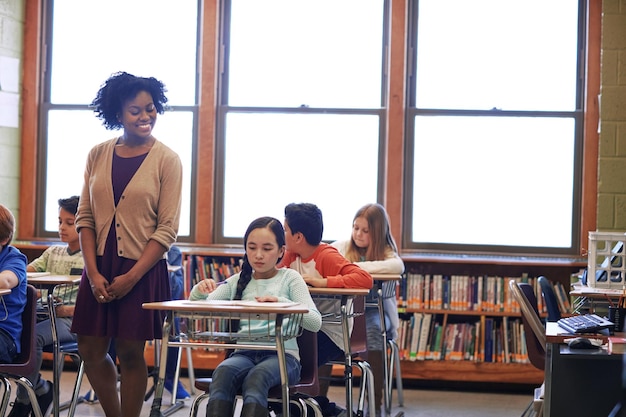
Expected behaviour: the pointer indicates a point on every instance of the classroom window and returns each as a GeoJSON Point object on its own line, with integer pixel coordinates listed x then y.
{"type": "Point", "coordinates": [494, 126]}
{"type": "Point", "coordinates": [301, 111]}
{"type": "Point", "coordinates": [153, 38]}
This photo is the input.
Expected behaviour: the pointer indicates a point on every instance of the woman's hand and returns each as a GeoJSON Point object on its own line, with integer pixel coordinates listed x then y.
{"type": "Point", "coordinates": [121, 285]}
{"type": "Point", "coordinates": [99, 286]}
{"type": "Point", "coordinates": [266, 299]}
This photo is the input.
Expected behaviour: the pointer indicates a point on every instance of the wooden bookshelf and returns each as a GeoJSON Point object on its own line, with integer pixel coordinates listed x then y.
{"type": "Point", "coordinates": [555, 269]}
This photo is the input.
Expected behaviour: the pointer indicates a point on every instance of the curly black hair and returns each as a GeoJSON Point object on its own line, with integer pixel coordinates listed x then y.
{"type": "Point", "coordinates": [121, 87]}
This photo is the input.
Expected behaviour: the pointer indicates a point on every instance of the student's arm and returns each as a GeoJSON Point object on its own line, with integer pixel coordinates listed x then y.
{"type": "Point", "coordinates": [392, 264]}
{"type": "Point", "coordinates": [13, 268]}
{"type": "Point", "coordinates": [341, 273]}
{"type": "Point", "coordinates": [299, 293]}
{"type": "Point", "coordinates": [208, 289]}
{"type": "Point", "coordinates": [40, 264]}
{"type": "Point", "coordinates": [64, 311]}
{"type": "Point", "coordinates": [350, 276]}
{"type": "Point", "coordinates": [8, 279]}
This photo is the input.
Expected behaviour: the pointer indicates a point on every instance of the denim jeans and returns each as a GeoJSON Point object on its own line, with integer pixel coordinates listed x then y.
{"type": "Point", "coordinates": [327, 350]}
{"type": "Point", "coordinates": [44, 338]}
{"type": "Point", "coordinates": [8, 350]}
{"type": "Point", "coordinates": [255, 372]}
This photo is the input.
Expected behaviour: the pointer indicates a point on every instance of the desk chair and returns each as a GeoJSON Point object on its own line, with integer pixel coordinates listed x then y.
{"type": "Point", "coordinates": [301, 393]}
{"type": "Point", "coordinates": [554, 313]}
{"type": "Point", "coordinates": [535, 335]}
{"type": "Point", "coordinates": [70, 349]}
{"type": "Point", "coordinates": [386, 294]}
{"type": "Point", "coordinates": [26, 361]}
{"type": "Point", "coordinates": [358, 347]}
{"type": "Point", "coordinates": [66, 294]}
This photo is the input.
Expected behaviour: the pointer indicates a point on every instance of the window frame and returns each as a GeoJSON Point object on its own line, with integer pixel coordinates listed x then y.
{"type": "Point", "coordinates": [393, 174]}
{"type": "Point", "coordinates": [578, 115]}
{"type": "Point", "coordinates": [46, 106]}
{"type": "Point", "coordinates": [223, 109]}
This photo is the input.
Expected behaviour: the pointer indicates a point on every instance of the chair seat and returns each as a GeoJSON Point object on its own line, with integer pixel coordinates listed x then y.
{"type": "Point", "coordinates": [26, 361]}
{"type": "Point", "coordinates": [66, 347]}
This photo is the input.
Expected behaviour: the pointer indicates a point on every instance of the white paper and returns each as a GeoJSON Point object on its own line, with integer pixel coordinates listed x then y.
{"type": "Point", "coordinates": [9, 74]}
{"type": "Point", "coordinates": [9, 109]}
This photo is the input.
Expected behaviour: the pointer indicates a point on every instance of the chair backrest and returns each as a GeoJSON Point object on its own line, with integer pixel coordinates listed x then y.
{"type": "Point", "coordinates": [25, 362]}
{"type": "Point", "coordinates": [307, 344]}
{"type": "Point", "coordinates": [308, 383]}
{"type": "Point", "coordinates": [534, 329]}
{"type": "Point", "coordinates": [554, 313]}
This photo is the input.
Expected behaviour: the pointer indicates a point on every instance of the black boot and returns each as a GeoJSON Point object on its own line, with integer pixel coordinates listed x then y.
{"type": "Point", "coordinates": [219, 408]}
{"type": "Point", "coordinates": [253, 410]}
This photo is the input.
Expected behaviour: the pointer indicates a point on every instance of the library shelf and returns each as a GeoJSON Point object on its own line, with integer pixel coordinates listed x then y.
{"type": "Point", "coordinates": [557, 269]}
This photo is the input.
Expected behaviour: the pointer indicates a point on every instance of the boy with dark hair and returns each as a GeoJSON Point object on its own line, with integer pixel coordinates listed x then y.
{"type": "Point", "coordinates": [321, 265]}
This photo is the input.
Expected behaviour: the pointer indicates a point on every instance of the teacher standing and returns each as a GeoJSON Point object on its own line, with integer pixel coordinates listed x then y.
{"type": "Point", "coordinates": [127, 219]}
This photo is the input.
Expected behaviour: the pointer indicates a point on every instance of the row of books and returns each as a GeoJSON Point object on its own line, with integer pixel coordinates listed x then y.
{"type": "Point", "coordinates": [470, 293]}
{"type": "Point", "coordinates": [198, 267]}
{"type": "Point", "coordinates": [426, 336]}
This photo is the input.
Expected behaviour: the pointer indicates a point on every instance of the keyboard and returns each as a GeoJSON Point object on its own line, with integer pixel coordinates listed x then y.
{"type": "Point", "coordinates": [584, 323]}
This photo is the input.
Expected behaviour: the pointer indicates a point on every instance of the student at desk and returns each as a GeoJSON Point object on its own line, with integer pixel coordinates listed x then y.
{"type": "Point", "coordinates": [321, 265]}
{"type": "Point", "coordinates": [58, 260]}
{"type": "Point", "coordinates": [256, 371]}
{"type": "Point", "coordinates": [12, 277]}
{"type": "Point", "coordinates": [373, 248]}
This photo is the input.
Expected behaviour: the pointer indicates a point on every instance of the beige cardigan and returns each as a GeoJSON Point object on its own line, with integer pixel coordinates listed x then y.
{"type": "Point", "coordinates": [148, 209]}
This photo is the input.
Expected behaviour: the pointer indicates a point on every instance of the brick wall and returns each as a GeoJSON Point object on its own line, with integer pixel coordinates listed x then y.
{"type": "Point", "coordinates": [612, 151]}
{"type": "Point", "coordinates": [11, 35]}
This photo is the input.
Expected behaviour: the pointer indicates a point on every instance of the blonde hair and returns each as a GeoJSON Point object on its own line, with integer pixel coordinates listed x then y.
{"type": "Point", "coordinates": [381, 240]}
{"type": "Point", "coordinates": [7, 224]}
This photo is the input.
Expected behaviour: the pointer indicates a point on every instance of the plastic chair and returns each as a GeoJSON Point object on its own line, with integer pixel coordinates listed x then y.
{"type": "Point", "coordinates": [301, 393]}
{"type": "Point", "coordinates": [26, 361]}
{"type": "Point", "coordinates": [554, 313]}
{"type": "Point", "coordinates": [535, 335]}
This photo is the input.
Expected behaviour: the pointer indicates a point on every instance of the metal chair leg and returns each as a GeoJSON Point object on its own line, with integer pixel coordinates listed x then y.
{"type": "Point", "coordinates": [395, 366]}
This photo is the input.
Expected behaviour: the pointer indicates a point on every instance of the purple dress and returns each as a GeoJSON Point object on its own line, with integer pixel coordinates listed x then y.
{"type": "Point", "coordinates": [122, 318]}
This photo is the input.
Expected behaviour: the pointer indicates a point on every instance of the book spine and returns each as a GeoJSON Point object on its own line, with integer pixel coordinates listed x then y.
{"type": "Point", "coordinates": [423, 337]}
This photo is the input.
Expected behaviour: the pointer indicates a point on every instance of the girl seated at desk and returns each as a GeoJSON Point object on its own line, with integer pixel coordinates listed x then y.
{"type": "Point", "coordinates": [256, 371]}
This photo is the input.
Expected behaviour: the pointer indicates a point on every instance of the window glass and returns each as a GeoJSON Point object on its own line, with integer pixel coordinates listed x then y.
{"type": "Point", "coordinates": [315, 53]}
{"type": "Point", "coordinates": [68, 149]}
{"type": "Point", "coordinates": [274, 159]}
{"type": "Point", "coordinates": [151, 38]}
{"type": "Point", "coordinates": [300, 116]}
{"type": "Point", "coordinates": [495, 123]}
{"type": "Point", "coordinates": [485, 54]}
{"type": "Point", "coordinates": [493, 181]}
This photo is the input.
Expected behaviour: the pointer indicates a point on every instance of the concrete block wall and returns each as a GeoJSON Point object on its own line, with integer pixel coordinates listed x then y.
{"type": "Point", "coordinates": [612, 151]}
{"type": "Point", "coordinates": [11, 45]}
